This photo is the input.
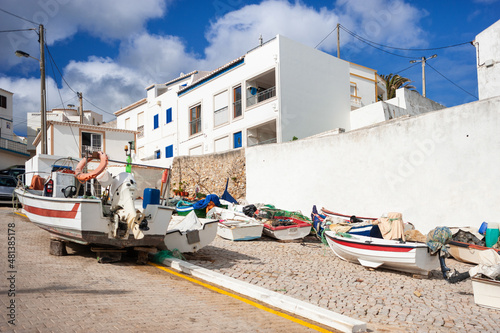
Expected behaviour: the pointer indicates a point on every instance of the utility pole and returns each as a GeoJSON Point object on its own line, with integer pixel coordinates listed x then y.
{"type": "Point", "coordinates": [423, 61]}
{"type": "Point", "coordinates": [43, 103]}
{"type": "Point", "coordinates": [81, 106]}
{"type": "Point", "coordinates": [338, 40]}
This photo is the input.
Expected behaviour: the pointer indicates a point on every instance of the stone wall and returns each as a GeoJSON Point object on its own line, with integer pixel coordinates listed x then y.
{"type": "Point", "coordinates": [209, 173]}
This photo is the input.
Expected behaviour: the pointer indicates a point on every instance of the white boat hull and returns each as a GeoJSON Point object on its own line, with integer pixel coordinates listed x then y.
{"type": "Point", "coordinates": [83, 220]}
{"type": "Point", "coordinates": [375, 252]}
{"type": "Point", "coordinates": [288, 233]}
{"type": "Point", "coordinates": [486, 292]}
{"type": "Point", "coordinates": [240, 230]}
{"type": "Point", "coordinates": [191, 240]}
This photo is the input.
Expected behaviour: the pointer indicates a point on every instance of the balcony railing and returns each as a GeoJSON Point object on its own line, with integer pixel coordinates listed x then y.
{"type": "Point", "coordinates": [262, 96]}
{"type": "Point", "coordinates": [194, 126]}
{"type": "Point", "coordinates": [14, 146]}
{"type": "Point", "coordinates": [221, 116]}
{"type": "Point", "coordinates": [237, 109]}
{"type": "Point", "coordinates": [140, 131]}
{"type": "Point", "coordinates": [265, 142]}
{"type": "Point", "coordinates": [355, 101]}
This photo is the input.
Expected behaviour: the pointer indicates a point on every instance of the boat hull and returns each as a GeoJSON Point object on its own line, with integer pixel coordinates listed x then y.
{"type": "Point", "coordinates": [486, 292]}
{"type": "Point", "coordinates": [83, 220]}
{"type": "Point", "coordinates": [374, 252]}
{"type": "Point", "coordinates": [240, 230]}
{"type": "Point", "coordinates": [465, 252]}
{"type": "Point", "coordinates": [298, 230]}
{"type": "Point", "coordinates": [192, 240]}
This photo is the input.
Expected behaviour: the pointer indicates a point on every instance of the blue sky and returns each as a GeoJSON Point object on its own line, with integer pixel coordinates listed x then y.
{"type": "Point", "coordinates": [112, 50]}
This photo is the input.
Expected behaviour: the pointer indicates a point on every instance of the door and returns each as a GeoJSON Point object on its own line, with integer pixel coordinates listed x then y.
{"type": "Point", "coordinates": [237, 140]}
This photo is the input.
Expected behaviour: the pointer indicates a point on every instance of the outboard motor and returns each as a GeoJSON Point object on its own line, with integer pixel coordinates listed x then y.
{"type": "Point", "coordinates": [125, 216]}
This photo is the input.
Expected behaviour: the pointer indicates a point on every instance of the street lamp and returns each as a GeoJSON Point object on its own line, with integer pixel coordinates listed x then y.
{"type": "Point", "coordinates": [43, 99]}
{"type": "Point", "coordinates": [423, 60]}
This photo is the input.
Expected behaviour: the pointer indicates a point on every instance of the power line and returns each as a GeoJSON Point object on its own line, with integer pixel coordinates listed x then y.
{"type": "Point", "coordinates": [19, 17]}
{"type": "Point", "coordinates": [456, 85]}
{"type": "Point", "coordinates": [369, 43]}
{"type": "Point", "coordinates": [331, 32]}
{"type": "Point", "coordinates": [400, 48]}
{"type": "Point", "coordinates": [407, 68]}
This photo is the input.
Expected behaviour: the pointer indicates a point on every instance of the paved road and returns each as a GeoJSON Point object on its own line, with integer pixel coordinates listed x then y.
{"type": "Point", "coordinates": [76, 294]}
{"type": "Point", "coordinates": [388, 301]}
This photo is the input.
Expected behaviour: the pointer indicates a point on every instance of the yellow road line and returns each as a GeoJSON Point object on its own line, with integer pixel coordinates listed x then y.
{"type": "Point", "coordinates": [257, 305]}
{"type": "Point", "coordinates": [20, 214]}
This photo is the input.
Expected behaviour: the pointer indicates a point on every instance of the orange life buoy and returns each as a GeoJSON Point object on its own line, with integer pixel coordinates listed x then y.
{"type": "Point", "coordinates": [83, 177]}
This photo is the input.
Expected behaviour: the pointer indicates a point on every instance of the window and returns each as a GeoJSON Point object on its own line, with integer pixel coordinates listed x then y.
{"type": "Point", "coordinates": [169, 115]}
{"type": "Point", "coordinates": [157, 154]}
{"type": "Point", "coordinates": [195, 119]}
{"type": "Point", "coordinates": [127, 123]}
{"type": "Point", "coordinates": [3, 101]}
{"type": "Point", "coordinates": [155, 121]}
{"type": "Point", "coordinates": [169, 151]}
{"type": "Point", "coordinates": [221, 113]}
{"type": "Point", "coordinates": [91, 142]}
{"type": "Point", "coordinates": [237, 102]}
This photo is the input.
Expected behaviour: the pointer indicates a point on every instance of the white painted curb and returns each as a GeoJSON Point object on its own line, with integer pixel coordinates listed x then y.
{"type": "Point", "coordinates": [286, 303]}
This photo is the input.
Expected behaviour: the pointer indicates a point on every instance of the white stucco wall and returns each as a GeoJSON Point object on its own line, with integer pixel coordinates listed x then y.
{"type": "Point", "coordinates": [488, 61]}
{"type": "Point", "coordinates": [439, 168]}
{"type": "Point", "coordinates": [314, 90]}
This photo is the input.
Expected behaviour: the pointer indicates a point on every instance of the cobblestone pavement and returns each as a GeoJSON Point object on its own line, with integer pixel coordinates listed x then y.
{"type": "Point", "coordinates": [74, 293]}
{"type": "Point", "coordinates": [388, 301]}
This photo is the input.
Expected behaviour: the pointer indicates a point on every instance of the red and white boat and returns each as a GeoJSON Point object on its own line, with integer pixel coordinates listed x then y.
{"type": "Point", "coordinates": [378, 252]}
{"type": "Point", "coordinates": [292, 228]}
{"type": "Point", "coordinates": [119, 221]}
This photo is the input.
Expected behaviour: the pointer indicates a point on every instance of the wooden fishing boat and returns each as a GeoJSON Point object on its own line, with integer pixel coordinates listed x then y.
{"type": "Point", "coordinates": [189, 237]}
{"type": "Point", "coordinates": [486, 292]}
{"type": "Point", "coordinates": [466, 252]}
{"type": "Point", "coordinates": [378, 252]}
{"type": "Point", "coordinates": [116, 220]}
{"type": "Point", "coordinates": [286, 228]}
{"type": "Point", "coordinates": [236, 230]}
{"type": "Point", "coordinates": [236, 226]}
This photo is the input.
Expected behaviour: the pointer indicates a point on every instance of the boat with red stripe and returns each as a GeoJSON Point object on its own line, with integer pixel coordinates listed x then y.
{"type": "Point", "coordinates": [372, 252]}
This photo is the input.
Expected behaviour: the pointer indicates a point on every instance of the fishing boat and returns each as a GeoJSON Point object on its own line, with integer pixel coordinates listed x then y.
{"type": "Point", "coordinates": [189, 234]}
{"type": "Point", "coordinates": [236, 226]}
{"type": "Point", "coordinates": [467, 252]}
{"type": "Point", "coordinates": [486, 292]}
{"type": "Point", "coordinates": [378, 252]}
{"type": "Point", "coordinates": [60, 205]}
{"type": "Point", "coordinates": [286, 228]}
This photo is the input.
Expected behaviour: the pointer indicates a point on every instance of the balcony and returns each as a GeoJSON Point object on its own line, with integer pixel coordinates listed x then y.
{"type": "Point", "coordinates": [261, 96]}
{"type": "Point", "coordinates": [14, 146]}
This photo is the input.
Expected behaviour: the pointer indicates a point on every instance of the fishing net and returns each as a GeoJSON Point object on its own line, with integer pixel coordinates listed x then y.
{"type": "Point", "coordinates": [269, 212]}
{"type": "Point", "coordinates": [159, 257]}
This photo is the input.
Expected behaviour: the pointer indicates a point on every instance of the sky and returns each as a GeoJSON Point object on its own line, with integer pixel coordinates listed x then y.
{"type": "Point", "coordinates": [112, 50]}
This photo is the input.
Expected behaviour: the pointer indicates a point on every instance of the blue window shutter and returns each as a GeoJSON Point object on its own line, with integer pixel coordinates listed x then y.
{"type": "Point", "coordinates": [155, 122]}
{"type": "Point", "coordinates": [169, 151]}
{"type": "Point", "coordinates": [158, 154]}
{"type": "Point", "coordinates": [169, 115]}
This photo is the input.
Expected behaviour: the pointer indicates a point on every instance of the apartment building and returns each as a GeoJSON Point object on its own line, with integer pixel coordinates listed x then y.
{"type": "Point", "coordinates": [276, 92]}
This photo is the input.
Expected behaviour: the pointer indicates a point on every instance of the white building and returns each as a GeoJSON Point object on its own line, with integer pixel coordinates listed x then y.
{"type": "Point", "coordinates": [488, 61]}
{"type": "Point", "coordinates": [276, 92]}
{"type": "Point", "coordinates": [12, 148]}
{"type": "Point", "coordinates": [59, 115]}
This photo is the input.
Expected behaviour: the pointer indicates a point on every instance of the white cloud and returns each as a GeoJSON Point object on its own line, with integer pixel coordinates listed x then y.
{"type": "Point", "coordinates": [145, 58]}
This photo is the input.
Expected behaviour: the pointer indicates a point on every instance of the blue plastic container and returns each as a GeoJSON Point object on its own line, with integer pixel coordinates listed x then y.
{"type": "Point", "coordinates": [151, 197]}
{"type": "Point", "coordinates": [483, 227]}
{"type": "Point", "coordinates": [492, 234]}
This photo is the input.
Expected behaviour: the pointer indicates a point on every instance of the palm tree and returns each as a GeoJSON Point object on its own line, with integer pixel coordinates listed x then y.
{"type": "Point", "coordinates": [393, 82]}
